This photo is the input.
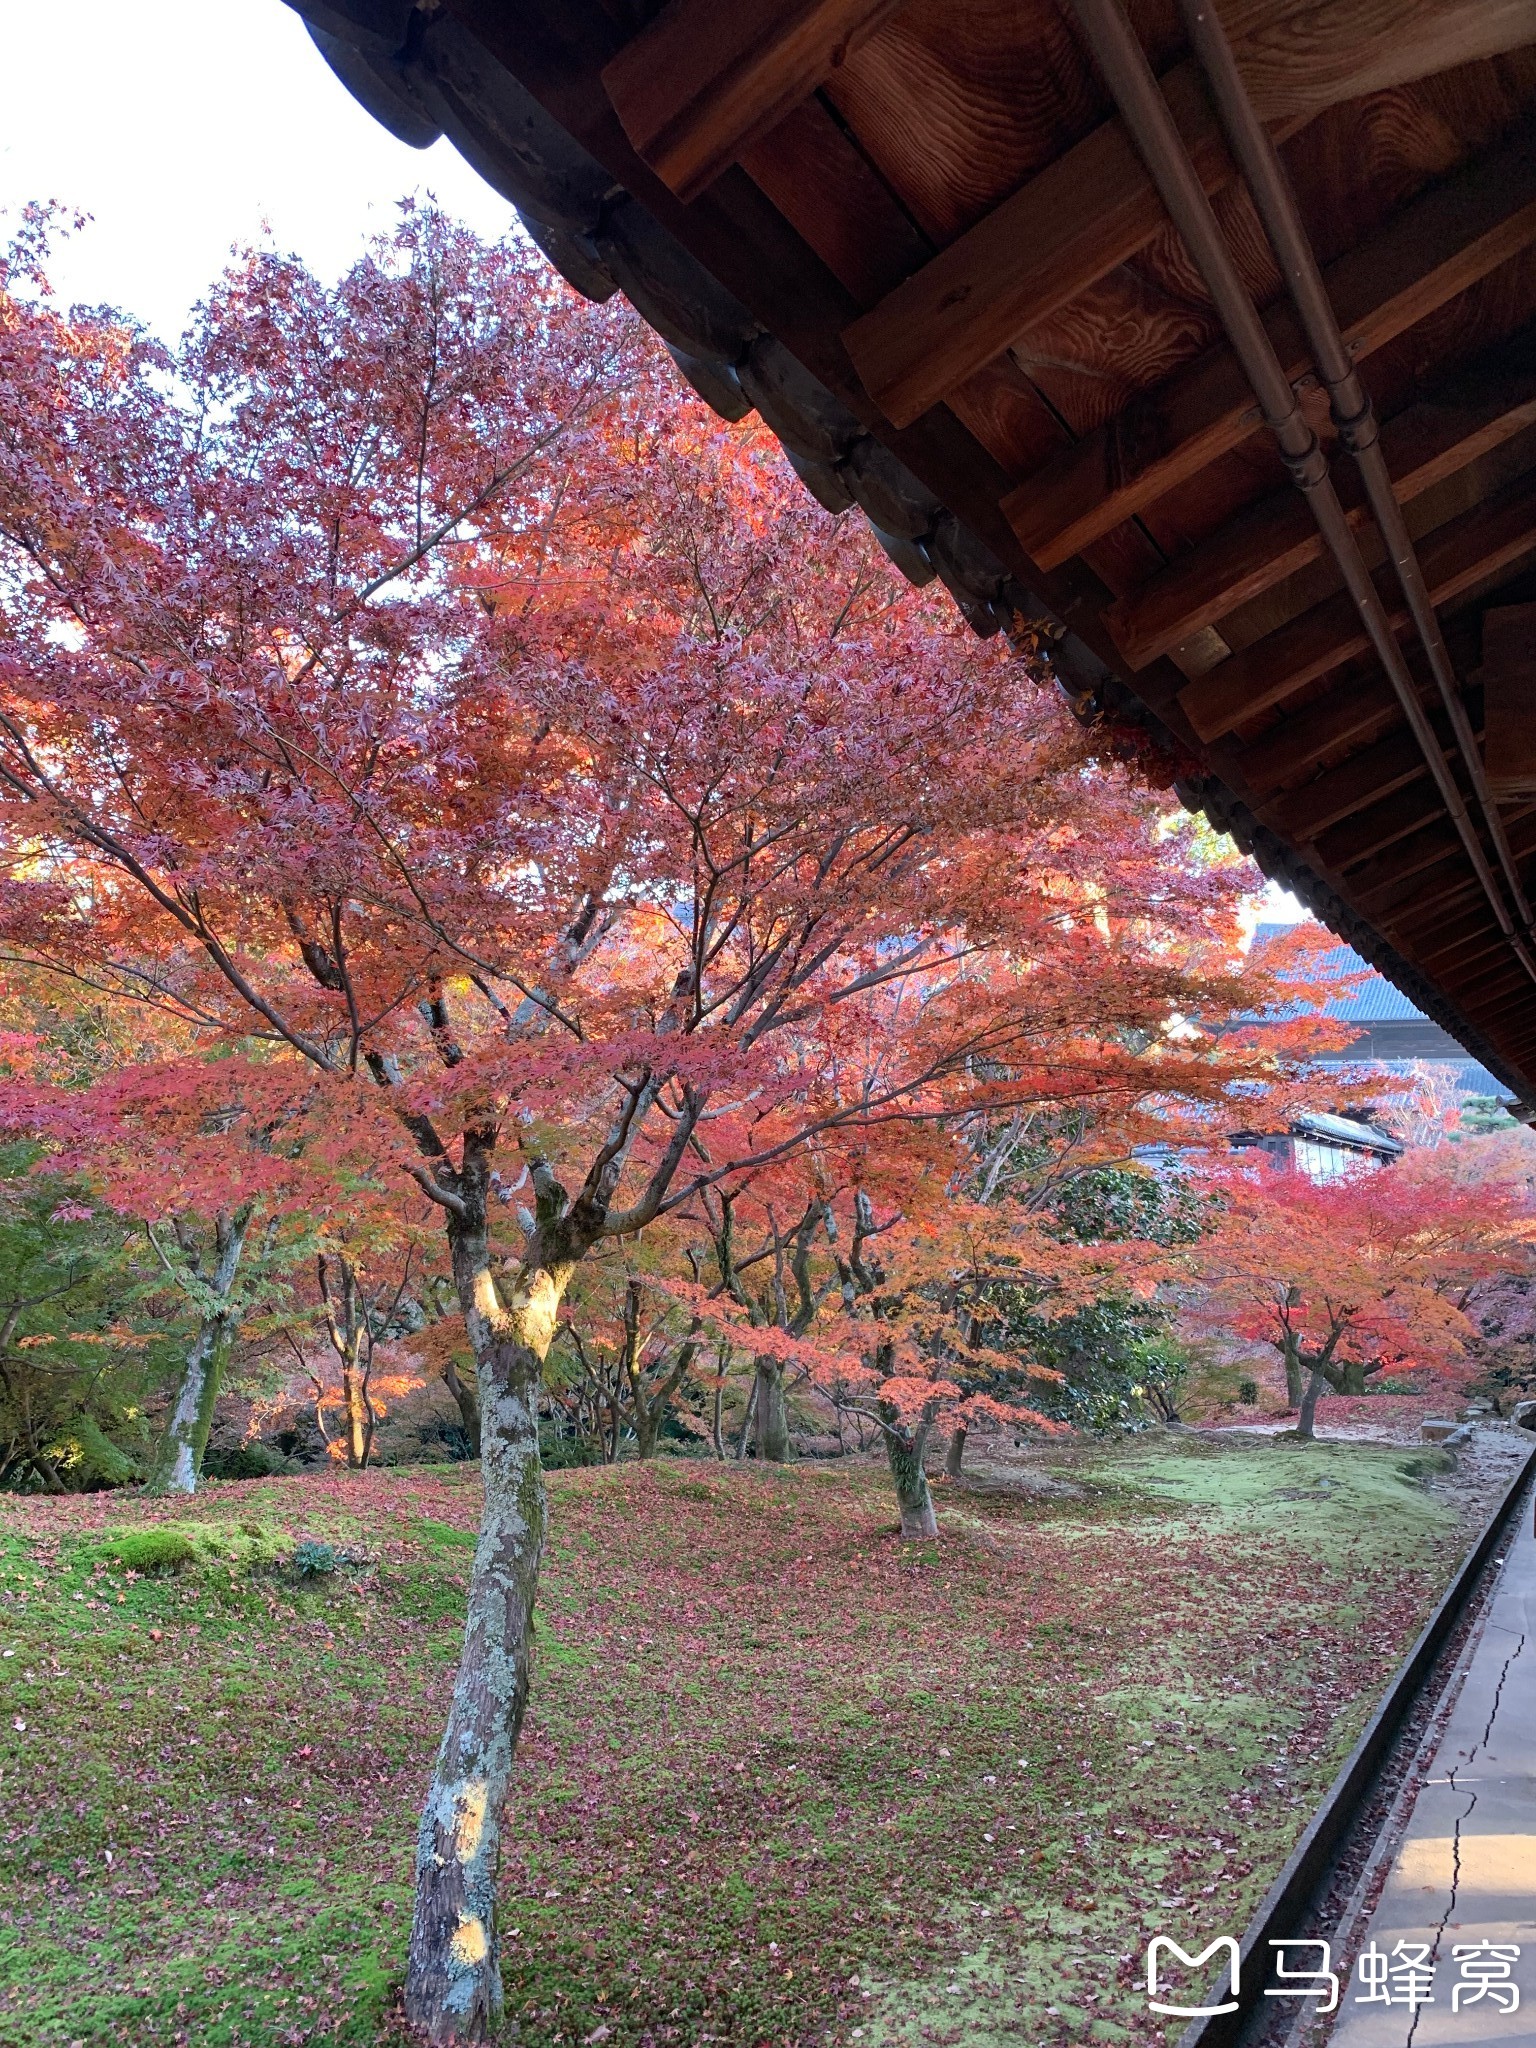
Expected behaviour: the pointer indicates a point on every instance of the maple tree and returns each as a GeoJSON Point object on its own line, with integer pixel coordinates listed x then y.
{"type": "Point", "coordinates": [356, 1309]}
{"type": "Point", "coordinates": [626, 1362]}
{"type": "Point", "coordinates": [539, 808]}
{"type": "Point", "coordinates": [1346, 1276]}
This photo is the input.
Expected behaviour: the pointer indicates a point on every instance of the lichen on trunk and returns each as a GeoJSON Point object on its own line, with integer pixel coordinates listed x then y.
{"type": "Point", "coordinates": [453, 1983]}
{"type": "Point", "coordinates": [905, 1447]}
{"type": "Point", "coordinates": [772, 1417]}
{"type": "Point", "coordinates": [178, 1461]}
{"type": "Point", "coordinates": [453, 1973]}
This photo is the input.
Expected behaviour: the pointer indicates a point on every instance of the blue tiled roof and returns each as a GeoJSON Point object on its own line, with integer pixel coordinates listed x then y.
{"type": "Point", "coordinates": [1371, 1001]}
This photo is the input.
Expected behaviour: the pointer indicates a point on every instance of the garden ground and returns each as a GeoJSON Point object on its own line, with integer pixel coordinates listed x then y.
{"type": "Point", "coordinates": [784, 1780]}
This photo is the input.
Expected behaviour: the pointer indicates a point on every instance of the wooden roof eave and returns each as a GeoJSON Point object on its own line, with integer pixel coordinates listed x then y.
{"type": "Point", "coordinates": [726, 274]}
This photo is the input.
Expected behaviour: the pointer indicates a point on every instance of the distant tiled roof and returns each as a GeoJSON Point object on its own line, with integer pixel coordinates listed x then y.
{"type": "Point", "coordinates": [1345, 1130]}
{"type": "Point", "coordinates": [1372, 1000]}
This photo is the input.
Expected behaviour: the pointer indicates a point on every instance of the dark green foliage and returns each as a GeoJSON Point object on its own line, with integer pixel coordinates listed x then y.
{"type": "Point", "coordinates": [563, 1450]}
{"type": "Point", "coordinates": [1481, 1114]}
{"type": "Point", "coordinates": [242, 1459]}
{"type": "Point", "coordinates": [1117, 1357]}
{"type": "Point", "coordinates": [80, 1356]}
{"type": "Point", "coordinates": [1248, 1392]}
{"type": "Point", "coordinates": [314, 1560]}
{"type": "Point", "coordinates": [1111, 1204]}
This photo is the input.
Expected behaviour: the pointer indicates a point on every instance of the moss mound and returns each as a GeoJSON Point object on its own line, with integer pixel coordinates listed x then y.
{"type": "Point", "coordinates": [145, 1550]}
{"type": "Point", "coordinates": [180, 1546]}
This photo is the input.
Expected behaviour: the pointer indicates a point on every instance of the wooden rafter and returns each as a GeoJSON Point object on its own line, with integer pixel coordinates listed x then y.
{"type": "Point", "coordinates": [1090, 210]}
{"type": "Point", "coordinates": [1374, 772]}
{"type": "Point", "coordinates": [1508, 677]}
{"type": "Point", "coordinates": [1423, 445]}
{"type": "Point", "coordinates": [941, 184]}
{"type": "Point", "coordinates": [1447, 240]}
{"type": "Point", "coordinates": [1298, 59]}
{"type": "Point", "coordinates": [704, 80]}
{"type": "Point", "coordinates": [1495, 533]}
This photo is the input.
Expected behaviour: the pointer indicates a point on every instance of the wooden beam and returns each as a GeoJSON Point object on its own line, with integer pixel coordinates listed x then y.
{"type": "Point", "coordinates": [1442, 242]}
{"type": "Point", "coordinates": [1386, 895]}
{"type": "Point", "coordinates": [1454, 557]}
{"type": "Point", "coordinates": [1424, 444]}
{"type": "Point", "coordinates": [1501, 1012]}
{"type": "Point", "coordinates": [1282, 756]}
{"type": "Point", "coordinates": [1472, 938]}
{"type": "Point", "coordinates": [1509, 699]}
{"type": "Point", "coordinates": [1494, 989]}
{"type": "Point", "coordinates": [704, 79]}
{"type": "Point", "coordinates": [1301, 58]}
{"type": "Point", "coordinates": [1365, 777]}
{"type": "Point", "coordinates": [1473, 929]}
{"type": "Point", "coordinates": [1095, 207]}
{"type": "Point", "coordinates": [1412, 823]}
{"type": "Point", "coordinates": [1073, 223]}
{"type": "Point", "coordinates": [1402, 884]}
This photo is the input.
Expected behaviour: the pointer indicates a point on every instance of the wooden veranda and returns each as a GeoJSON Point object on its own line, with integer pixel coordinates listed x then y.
{"type": "Point", "coordinates": [1252, 448]}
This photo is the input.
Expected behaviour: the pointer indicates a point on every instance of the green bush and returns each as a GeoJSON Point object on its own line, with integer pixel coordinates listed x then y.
{"type": "Point", "coordinates": [243, 1460]}
{"type": "Point", "coordinates": [315, 1560]}
{"type": "Point", "coordinates": [145, 1550]}
{"type": "Point", "coordinates": [1248, 1392]}
{"type": "Point", "coordinates": [561, 1453]}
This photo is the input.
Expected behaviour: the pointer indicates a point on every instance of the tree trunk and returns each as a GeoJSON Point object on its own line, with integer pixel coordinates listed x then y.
{"type": "Point", "coordinates": [468, 1406]}
{"type": "Point", "coordinates": [1294, 1387]}
{"type": "Point", "coordinates": [647, 1427]}
{"type": "Point", "coordinates": [954, 1457]}
{"type": "Point", "coordinates": [178, 1461]}
{"type": "Point", "coordinates": [746, 1421]}
{"type": "Point", "coordinates": [905, 1450]}
{"type": "Point", "coordinates": [1353, 1378]}
{"type": "Point", "coordinates": [347, 1325]}
{"type": "Point", "coordinates": [453, 1971]}
{"type": "Point", "coordinates": [357, 1417]}
{"type": "Point", "coordinates": [772, 1418]}
{"type": "Point", "coordinates": [1305, 1421]}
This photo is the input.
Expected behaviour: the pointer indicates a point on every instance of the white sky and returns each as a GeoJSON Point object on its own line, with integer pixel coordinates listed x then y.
{"type": "Point", "coordinates": [188, 127]}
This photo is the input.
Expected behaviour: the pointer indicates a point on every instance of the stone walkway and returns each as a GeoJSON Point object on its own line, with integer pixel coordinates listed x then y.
{"type": "Point", "coordinates": [1464, 1876]}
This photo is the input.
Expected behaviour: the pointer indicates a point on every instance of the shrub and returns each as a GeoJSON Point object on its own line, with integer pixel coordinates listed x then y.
{"type": "Point", "coordinates": [1248, 1392]}
{"type": "Point", "coordinates": [145, 1550]}
{"type": "Point", "coordinates": [243, 1459]}
{"type": "Point", "coordinates": [561, 1453]}
{"type": "Point", "coordinates": [315, 1560]}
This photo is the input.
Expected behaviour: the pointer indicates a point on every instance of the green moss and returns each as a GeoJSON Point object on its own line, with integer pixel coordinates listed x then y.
{"type": "Point", "coordinates": [181, 1546]}
{"type": "Point", "coordinates": [443, 1536]}
{"type": "Point", "coordinates": [756, 1722]}
{"type": "Point", "coordinates": [1427, 1465]}
{"type": "Point", "coordinates": [142, 1550]}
